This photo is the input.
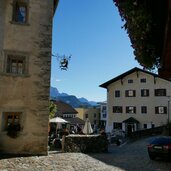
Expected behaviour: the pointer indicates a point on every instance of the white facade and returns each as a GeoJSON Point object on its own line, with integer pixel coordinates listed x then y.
{"type": "Point", "coordinates": [137, 100]}
{"type": "Point", "coordinates": [104, 116]}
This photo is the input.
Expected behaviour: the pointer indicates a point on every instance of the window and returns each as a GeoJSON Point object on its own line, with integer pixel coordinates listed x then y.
{"type": "Point", "coordinates": [117, 93]}
{"type": "Point", "coordinates": [104, 115]}
{"type": "Point", "coordinates": [104, 109]}
{"type": "Point", "coordinates": [161, 110]}
{"type": "Point", "coordinates": [130, 81]}
{"type": "Point", "coordinates": [144, 92]}
{"type": "Point", "coordinates": [12, 118]}
{"type": "Point", "coordinates": [117, 109]}
{"type": "Point", "coordinates": [160, 92]}
{"type": "Point", "coordinates": [95, 115]}
{"type": "Point", "coordinates": [117, 125]}
{"type": "Point", "coordinates": [131, 109]}
{"type": "Point", "coordinates": [15, 64]}
{"type": "Point", "coordinates": [144, 109]}
{"type": "Point", "coordinates": [143, 80]}
{"type": "Point", "coordinates": [86, 115]}
{"type": "Point", "coordinates": [130, 93]}
{"type": "Point", "coordinates": [20, 11]}
{"type": "Point", "coordinates": [145, 126]}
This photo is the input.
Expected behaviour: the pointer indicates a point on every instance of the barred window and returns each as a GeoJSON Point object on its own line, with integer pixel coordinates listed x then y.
{"type": "Point", "coordinates": [12, 118]}
{"type": "Point", "coordinates": [16, 64]}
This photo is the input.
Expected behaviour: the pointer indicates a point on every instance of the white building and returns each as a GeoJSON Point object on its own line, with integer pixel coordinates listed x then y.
{"type": "Point", "coordinates": [137, 99]}
{"type": "Point", "coordinates": [103, 116]}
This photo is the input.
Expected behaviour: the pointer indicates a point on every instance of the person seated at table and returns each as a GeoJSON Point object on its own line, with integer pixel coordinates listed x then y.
{"type": "Point", "coordinates": [103, 133]}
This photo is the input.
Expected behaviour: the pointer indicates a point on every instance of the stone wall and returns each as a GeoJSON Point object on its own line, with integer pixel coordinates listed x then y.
{"type": "Point", "coordinates": [28, 93]}
{"type": "Point", "coordinates": [86, 143]}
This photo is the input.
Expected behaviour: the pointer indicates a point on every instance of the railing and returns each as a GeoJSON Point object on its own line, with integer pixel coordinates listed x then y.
{"type": "Point", "coordinates": [147, 132]}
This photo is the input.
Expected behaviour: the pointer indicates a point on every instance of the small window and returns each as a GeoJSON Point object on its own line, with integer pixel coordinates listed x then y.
{"type": "Point", "coordinates": [16, 64]}
{"type": "Point", "coordinates": [143, 109]}
{"type": "Point", "coordinates": [117, 109]}
{"type": "Point", "coordinates": [145, 126]}
{"type": "Point", "coordinates": [20, 11]}
{"type": "Point", "coordinates": [130, 81]}
{"type": "Point", "coordinates": [117, 125]}
{"type": "Point", "coordinates": [12, 118]}
{"type": "Point", "coordinates": [130, 93]}
{"type": "Point", "coordinates": [95, 115]}
{"type": "Point", "coordinates": [131, 109]}
{"type": "Point", "coordinates": [144, 92]}
{"type": "Point", "coordinates": [160, 92]}
{"type": "Point", "coordinates": [117, 93]}
{"type": "Point", "coordinates": [104, 109]}
{"type": "Point", "coordinates": [86, 115]}
{"type": "Point", "coordinates": [143, 80]}
{"type": "Point", "coordinates": [104, 115]}
{"type": "Point", "coordinates": [161, 110]}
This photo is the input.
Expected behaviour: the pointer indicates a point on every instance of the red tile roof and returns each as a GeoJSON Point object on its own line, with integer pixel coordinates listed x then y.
{"type": "Point", "coordinates": [64, 108]}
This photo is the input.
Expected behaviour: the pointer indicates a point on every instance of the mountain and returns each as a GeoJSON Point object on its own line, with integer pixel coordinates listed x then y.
{"type": "Point", "coordinates": [54, 92]}
{"type": "Point", "coordinates": [71, 99]}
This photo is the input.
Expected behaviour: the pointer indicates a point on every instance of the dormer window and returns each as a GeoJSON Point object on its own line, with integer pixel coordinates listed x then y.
{"type": "Point", "coordinates": [130, 81]}
{"type": "Point", "coordinates": [143, 80]}
{"type": "Point", "coordinates": [20, 11]}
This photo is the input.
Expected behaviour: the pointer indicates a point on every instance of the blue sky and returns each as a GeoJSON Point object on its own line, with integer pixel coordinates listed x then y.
{"type": "Point", "coordinates": [91, 31]}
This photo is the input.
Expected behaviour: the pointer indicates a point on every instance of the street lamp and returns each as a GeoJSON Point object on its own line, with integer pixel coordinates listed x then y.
{"type": "Point", "coordinates": [168, 100]}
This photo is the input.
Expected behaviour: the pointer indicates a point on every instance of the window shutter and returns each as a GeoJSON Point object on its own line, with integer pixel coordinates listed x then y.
{"type": "Point", "coordinates": [148, 93]}
{"type": "Point", "coordinates": [156, 110]}
{"type": "Point", "coordinates": [127, 109]}
{"type": "Point", "coordinates": [165, 110]}
{"type": "Point", "coordinates": [126, 93]}
{"type": "Point", "coordinates": [134, 93]}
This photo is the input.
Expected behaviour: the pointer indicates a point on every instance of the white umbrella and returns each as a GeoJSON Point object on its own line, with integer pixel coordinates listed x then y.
{"type": "Point", "coordinates": [58, 120]}
{"type": "Point", "coordinates": [87, 127]}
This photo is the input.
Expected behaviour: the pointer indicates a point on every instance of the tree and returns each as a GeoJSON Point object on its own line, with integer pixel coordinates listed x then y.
{"type": "Point", "coordinates": [52, 109]}
{"type": "Point", "coordinates": [145, 21]}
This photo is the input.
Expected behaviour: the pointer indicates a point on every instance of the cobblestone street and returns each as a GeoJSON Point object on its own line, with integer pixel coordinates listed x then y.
{"type": "Point", "coordinates": [129, 157]}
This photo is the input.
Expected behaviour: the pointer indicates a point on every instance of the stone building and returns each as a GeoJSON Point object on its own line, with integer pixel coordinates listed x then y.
{"type": "Point", "coordinates": [25, 62]}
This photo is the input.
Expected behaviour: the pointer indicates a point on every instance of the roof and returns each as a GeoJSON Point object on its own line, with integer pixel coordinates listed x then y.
{"type": "Point", "coordinates": [105, 85]}
{"type": "Point", "coordinates": [64, 108]}
{"type": "Point", "coordinates": [75, 121]}
{"type": "Point", "coordinates": [131, 120]}
{"type": "Point", "coordinates": [55, 4]}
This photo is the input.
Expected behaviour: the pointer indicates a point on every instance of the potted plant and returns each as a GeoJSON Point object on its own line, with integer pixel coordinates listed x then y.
{"type": "Point", "coordinates": [13, 130]}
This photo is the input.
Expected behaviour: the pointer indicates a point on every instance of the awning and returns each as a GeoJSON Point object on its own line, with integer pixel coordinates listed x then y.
{"type": "Point", "coordinates": [131, 120]}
